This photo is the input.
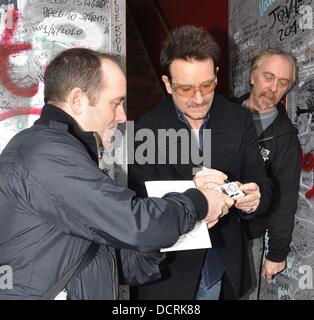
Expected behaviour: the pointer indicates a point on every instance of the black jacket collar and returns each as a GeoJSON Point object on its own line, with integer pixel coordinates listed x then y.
{"type": "Point", "coordinates": [53, 113]}
{"type": "Point", "coordinates": [225, 130]}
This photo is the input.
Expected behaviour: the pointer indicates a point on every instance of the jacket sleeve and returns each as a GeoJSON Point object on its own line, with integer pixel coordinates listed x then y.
{"type": "Point", "coordinates": [60, 183]}
{"type": "Point", "coordinates": [140, 267]}
{"type": "Point", "coordinates": [286, 170]}
{"type": "Point", "coordinates": [254, 169]}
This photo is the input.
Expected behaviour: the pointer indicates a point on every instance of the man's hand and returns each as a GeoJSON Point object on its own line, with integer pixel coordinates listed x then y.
{"type": "Point", "coordinates": [270, 268]}
{"type": "Point", "coordinates": [209, 178]}
{"type": "Point", "coordinates": [250, 202]}
{"type": "Point", "coordinates": [218, 205]}
{"type": "Point", "coordinates": [211, 224]}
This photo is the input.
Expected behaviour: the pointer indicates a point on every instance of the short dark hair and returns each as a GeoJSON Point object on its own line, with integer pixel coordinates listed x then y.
{"type": "Point", "coordinates": [74, 68]}
{"type": "Point", "coordinates": [189, 42]}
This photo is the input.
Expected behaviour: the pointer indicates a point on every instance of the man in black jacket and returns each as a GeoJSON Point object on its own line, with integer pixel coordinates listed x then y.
{"type": "Point", "coordinates": [55, 201]}
{"type": "Point", "coordinates": [190, 63]}
{"type": "Point", "coordinates": [273, 74]}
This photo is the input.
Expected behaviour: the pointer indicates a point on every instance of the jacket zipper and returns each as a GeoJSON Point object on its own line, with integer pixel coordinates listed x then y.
{"type": "Point", "coordinates": [112, 258]}
{"type": "Point", "coordinates": [266, 139]}
{"type": "Point", "coordinates": [113, 274]}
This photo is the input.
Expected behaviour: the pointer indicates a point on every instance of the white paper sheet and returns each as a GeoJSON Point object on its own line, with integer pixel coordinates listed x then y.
{"type": "Point", "coordinates": [198, 238]}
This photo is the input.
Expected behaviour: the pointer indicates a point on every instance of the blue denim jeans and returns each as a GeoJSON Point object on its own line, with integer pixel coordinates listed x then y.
{"type": "Point", "coordinates": [212, 273]}
{"type": "Point", "coordinates": [211, 293]}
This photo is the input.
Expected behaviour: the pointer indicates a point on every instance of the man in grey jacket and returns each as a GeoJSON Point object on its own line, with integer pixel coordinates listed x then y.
{"type": "Point", "coordinates": [55, 201]}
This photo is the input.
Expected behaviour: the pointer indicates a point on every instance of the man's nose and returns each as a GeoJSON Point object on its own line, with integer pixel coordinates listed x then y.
{"type": "Point", "coordinates": [120, 114]}
{"type": "Point", "coordinates": [198, 97]}
{"type": "Point", "coordinates": [274, 86]}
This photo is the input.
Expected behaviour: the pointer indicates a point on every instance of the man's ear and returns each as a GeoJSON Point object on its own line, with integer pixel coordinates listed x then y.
{"type": "Point", "coordinates": [216, 72]}
{"type": "Point", "coordinates": [167, 84]}
{"type": "Point", "coordinates": [252, 78]}
{"type": "Point", "coordinates": [76, 99]}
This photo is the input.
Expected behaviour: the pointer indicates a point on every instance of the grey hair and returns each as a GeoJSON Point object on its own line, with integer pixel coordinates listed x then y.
{"type": "Point", "coordinates": [262, 55]}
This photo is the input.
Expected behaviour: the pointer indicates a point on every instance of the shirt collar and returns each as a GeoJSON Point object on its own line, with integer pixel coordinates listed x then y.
{"type": "Point", "coordinates": [200, 138]}
{"type": "Point", "coordinates": [183, 119]}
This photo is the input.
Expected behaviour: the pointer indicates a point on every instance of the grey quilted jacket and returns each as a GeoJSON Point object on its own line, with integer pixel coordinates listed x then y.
{"type": "Point", "coordinates": [55, 201]}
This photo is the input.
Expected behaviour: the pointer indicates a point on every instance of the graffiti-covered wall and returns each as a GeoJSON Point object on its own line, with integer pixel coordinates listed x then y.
{"type": "Point", "coordinates": [34, 31]}
{"type": "Point", "coordinates": [285, 24]}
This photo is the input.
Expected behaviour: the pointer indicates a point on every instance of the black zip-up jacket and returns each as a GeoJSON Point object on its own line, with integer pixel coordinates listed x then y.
{"type": "Point", "coordinates": [283, 165]}
{"type": "Point", "coordinates": [234, 151]}
{"type": "Point", "coordinates": [55, 201]}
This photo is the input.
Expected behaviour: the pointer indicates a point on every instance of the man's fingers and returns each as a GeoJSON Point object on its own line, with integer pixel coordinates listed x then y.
{"type": "Point", "coordinates": [225, 210]}
{"type": "Point", "coordinates": [273, 268]}
{"type": "Point", "coordinates": [211, 185]}
{"type": "Point", "coordinates": [246, 205]}
{"type": "Point", "coordinates": [246, 208]}
{"type": "Point", "coordinates": [212, 223]}
{"type": "Point", "coordinates": [218, 204]}
{"type": "Point", "coordinates": [214, 180]}
{"type": "Point", "coordinates": [238, 183]}
{"type": "Point", "coordinates": [249, 187]}
{"type": "Point", "coordinates": [266, 274]}
{"type": "Point", "coordinates": [249, 202]}
{"type": "Point", "coordinates": [206, 180]}
{"type": "Point", "coordinates": [229, 201]}
{"type": "Point", "coordinates": [269, 276]}
{"type": "Point", "coordinates": [212, 172]}
{"type": "Point", "coordinates": [248, 199]}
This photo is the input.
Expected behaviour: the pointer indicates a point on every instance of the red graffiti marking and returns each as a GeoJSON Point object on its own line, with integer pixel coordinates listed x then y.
{"type": "Point", "coordinates": [307, 162]}
{"type": "Point", "coordinates": [7, 48]}
{"type": "Point", "coordinates": [19, 112]}
{"type": "Point", "coordinates": [310, 193]}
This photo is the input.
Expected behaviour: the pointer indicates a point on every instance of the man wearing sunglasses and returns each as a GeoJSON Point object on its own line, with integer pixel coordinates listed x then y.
{"type": "Point", "coordinates": [189, 60]}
